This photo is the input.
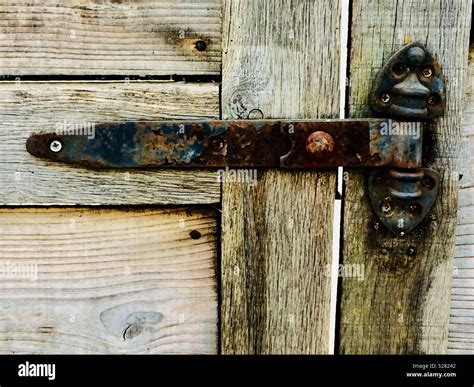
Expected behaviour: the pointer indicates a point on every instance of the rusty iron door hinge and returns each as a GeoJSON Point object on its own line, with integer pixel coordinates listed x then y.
{"type": "Point", "coordinates": [407, 91]}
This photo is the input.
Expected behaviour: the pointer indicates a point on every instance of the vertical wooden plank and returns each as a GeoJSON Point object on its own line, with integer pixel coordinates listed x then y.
{"type": "Point", "coordinates": [281, 57]}
{"type": "Point", "coordinates": [402, 306]}
{"type": "Point", "coordinates": [461, 322]}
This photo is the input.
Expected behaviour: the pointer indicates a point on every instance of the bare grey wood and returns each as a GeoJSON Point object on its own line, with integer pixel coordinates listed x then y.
{"type": "Point", "coordinates": [280, 60]}
{"type": "Point", "coordinates": [95, 37]}
{"type": "Point", "coordinates": [461, 324]}
{"type": "Point", "coordinates": [402, 305]}
{"type": "Point", "coordinates": [29, 107]}
{"type": "Point", "coordinates": [108, 281]}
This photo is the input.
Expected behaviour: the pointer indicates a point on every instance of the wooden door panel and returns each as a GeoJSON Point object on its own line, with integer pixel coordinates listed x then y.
{"type": "Point", "coordinates": [30, 107]}
{"type": "Point", "coordinates": [137, 278]}
{"type": "Point", "coordinates": [402, 306]}
{"type": "Point", "coordinates": [108, 280]}
{"type": "Point", "coordinates": [282, 58]}
{"type": "Point", "coordinates": [97, 37]}
{"type": "Point", "coordinates": [461, 320]}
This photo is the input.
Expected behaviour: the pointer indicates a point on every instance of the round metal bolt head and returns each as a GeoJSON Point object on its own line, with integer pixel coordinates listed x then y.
{"type": "Point", "coordinates": [320, 144]}
{"type": "Point", "coordinates": [55, 146]}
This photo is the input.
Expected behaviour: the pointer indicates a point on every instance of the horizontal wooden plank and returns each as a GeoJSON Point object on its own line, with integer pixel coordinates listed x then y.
{"type": "Point", "coordinates": [108, 281]}
{"type": "Point", "coordinates": [93, 37]}
{"type": "Point", "coordinates": [30, 107]}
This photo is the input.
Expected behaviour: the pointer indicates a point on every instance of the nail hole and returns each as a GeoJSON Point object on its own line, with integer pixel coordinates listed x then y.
{"type": "Point", "coordinates": [415, 208]}
{"type": "Point", "coordinates": [195, 234]}
{"type": "Point", "coordinates": [433, 99]}
{"type": "Point", "coordinates": [428, 183]}
{"type": "Point", "coordinates": [399, 69]}
{"type": "Point", "coordinates": [201, 45]}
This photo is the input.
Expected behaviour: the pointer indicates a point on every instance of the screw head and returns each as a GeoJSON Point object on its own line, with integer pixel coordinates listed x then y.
{"type": "Point", "coordinates": [386, 208]}
{"type": "Point", "coordinates": [385, 97]}
{"type": "Point", "coordinates": [320, 144]}
{"type": "Point", "coordinates": [55, 146]}
{"type": "Point", "coordinates": [427, 72]}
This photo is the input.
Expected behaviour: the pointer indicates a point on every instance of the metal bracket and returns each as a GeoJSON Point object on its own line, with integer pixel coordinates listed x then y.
{"type": "Point", "coordinates": [409, 87]}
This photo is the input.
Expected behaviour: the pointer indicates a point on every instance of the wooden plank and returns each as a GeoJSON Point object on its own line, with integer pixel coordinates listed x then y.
{"type": "Point", "coordinates": [108, 281]}
{"type": "Point", "coordinates": [461, 333]}
{"type": "Point", "coordinates": [30, 107]}
{"type": "Point", "coordinates": [402, 306]}
{"type": "Point", "coordinates": [96, 37]}
{"type": "Point", "coordinates": [281, 57]}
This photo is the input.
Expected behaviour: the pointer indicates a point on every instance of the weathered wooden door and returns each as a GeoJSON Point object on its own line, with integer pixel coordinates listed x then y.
{"type": "Point", "coordinates": [173, 261]}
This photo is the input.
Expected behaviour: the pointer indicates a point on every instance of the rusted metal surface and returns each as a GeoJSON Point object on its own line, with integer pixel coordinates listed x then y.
{"type": "Point", "coordinates": [409, 86]}
{"type": "Point", "coordinates": [402, 198]}
{"type": "Point", "coordinates": [238, 144]}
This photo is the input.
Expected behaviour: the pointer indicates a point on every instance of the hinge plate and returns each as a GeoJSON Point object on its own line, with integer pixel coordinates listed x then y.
{"type": "Point", "coordinates": [409, 88]}
{"type": "Point", "coordinates": [289, 144]}
{"type": "Point", "coordinates": [402, 198]}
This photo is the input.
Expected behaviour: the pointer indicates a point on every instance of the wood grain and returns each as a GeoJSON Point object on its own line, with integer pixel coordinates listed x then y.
{"type": "Point", "coordinates": [97, 37]}
{"type": "Point", "coordinates": [402, 306]}
{"type": "Point", "coordinates": [461, 322]}
{"type": "Point", "coordinates": [108, 281]}
{"type": "Point", "coordinates": [30, 107]}
{"type": "Point", "coordinates": [281, 57]}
